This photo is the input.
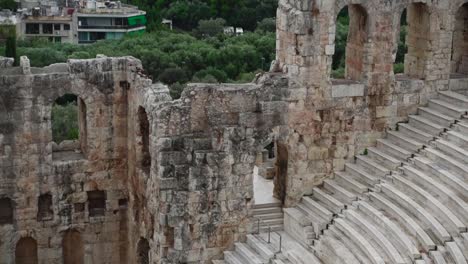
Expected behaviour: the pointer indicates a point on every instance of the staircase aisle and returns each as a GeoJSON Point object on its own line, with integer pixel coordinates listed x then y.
{"type": "Point", "coordinates": [405, 201]}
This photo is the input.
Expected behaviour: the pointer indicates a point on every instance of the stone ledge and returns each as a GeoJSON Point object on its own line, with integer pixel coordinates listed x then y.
{"type": "Point", "coordinates": [348, 90]}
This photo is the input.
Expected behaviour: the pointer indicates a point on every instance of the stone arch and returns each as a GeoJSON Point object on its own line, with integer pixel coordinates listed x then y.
{"type": "Point", "coordinates": [73, 247]}
{"type": "Point", "coordinates": [6, 211]}
{"type": "Point", "coordinates": [143, 249]}
{"type": "Point", "coordinates": [26, 251]}
{"type": "Point", "coordinates": [418, 19]}
{"type": "Point", "coordinates": [356, 41]}
{"type": "Point", "coordinates": [143, 133]}
{"type": "Point", "coordinates": [459, 62]}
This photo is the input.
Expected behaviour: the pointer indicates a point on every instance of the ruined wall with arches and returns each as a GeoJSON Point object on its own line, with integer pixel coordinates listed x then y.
{"type": "Point", "coordinates": [347, 115]}
{"type": "Point", "coordinates": [147, 179]}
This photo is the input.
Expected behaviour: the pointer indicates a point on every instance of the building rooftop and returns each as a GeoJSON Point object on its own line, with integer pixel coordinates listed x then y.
{"type": "Point", "coordinates": [110, 8]}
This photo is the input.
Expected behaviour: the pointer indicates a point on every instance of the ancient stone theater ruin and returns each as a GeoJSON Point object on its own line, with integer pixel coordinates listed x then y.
{"type": "Point", "coordinates": [295, 167]}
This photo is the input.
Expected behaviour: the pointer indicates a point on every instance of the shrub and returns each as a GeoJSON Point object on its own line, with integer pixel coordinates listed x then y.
{"type": "Point", "coordinates": [267, 25]}
{"type": "Point", "coordinates": [219, 75]}
{"type": "Point", "coordinates": [399, 68]}
{"type": "Point", "coordinates": [173, 75]}
{"type": "Point", "coordinates": [176, 90]}
{"type": "Point", "coordinates": [211, 27]}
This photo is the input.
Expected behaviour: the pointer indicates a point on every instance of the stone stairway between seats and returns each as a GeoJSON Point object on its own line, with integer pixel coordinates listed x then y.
{"type": "Point", "coordinates": [406, 201]}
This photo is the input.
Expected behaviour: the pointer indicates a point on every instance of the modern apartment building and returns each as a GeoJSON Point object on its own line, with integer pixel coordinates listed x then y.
{"type": "Point", "coordinates": [86, 22]}
{"type": "Point", "coordinates": [109, 20]}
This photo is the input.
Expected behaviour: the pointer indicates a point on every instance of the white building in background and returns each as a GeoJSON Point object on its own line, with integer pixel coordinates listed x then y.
{"type": "Point", "coordinates": [75, 21]}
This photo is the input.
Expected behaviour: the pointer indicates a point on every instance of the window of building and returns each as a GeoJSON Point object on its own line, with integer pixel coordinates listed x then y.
{"type": "Point", "coordinates": [32, 28]}
{"type": "Point", "coordinates": [143, 136]}
{"type": "Point", "coordinates": [69, 114]}
{"type": "Point", "coordinates": [460, 42]}
{"type": "Point", "coordinates": [6, 211]}
{"type": "Point", "coordinates": [66, 27]}
{"type": "Point", "coordinates": [26, 251]}
{"type": "Point", "coordinates": [57, 27]}
{"type": "Point", "coordinates": [47, 29]}
{"type": "Point", "coordinates": [96, 203]}
{"type": "Point", "coordinates": [45, 209]}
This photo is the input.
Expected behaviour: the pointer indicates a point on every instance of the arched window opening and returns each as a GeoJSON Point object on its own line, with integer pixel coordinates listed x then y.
{"type": "Point", "coordinates": [460, 42]}
{"type": "Point", "coordinates": [350, 43]}
{"type": "Point", "coordinates": [143, 248]}
{"type": "Point", "coordinates": [45, 209]}
{"type": "Point", "coordinates": [26, 251]}
{"type": "Point", "coordinates": [96, 203]}
{"type": "Point", "coordinates": [402, 48]}
{"type": "Point", "coordinates": [417, 40]}
{"type": "Point", "coordinates": [69, 127]}
{"type": "Point", "coordinates": [73, 249]}
{"type": "Point", "coordinates": [6, 211]}
{"type": "Point", "coordinates": [144, 142]}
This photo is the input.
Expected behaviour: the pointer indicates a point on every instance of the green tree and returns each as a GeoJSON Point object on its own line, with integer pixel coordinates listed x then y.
{"type": "Point", "coordinates": [211, 27]}
{"type": "Point", "coordinates": [10, 47]}
{"type": "Point", "coordinates": [8, 4]}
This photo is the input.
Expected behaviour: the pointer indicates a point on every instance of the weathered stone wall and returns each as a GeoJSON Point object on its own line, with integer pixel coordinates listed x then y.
{"type": "Point", "coordinates": [29, 166]}
{"type": "Point", "coordinates": [332, 120]}
{"type": "Point", "coordinates": [176, 175]}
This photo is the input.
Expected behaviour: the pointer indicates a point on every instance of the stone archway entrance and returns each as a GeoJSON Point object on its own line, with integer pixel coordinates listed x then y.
{"type": "Point", "coordinates": [26, 251]}
{"type": "Point", "coordinates": [73, 249]}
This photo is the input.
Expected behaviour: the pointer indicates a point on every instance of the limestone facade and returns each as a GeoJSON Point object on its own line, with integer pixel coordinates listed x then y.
{"type": "Point", "coordinates": [156, 180]}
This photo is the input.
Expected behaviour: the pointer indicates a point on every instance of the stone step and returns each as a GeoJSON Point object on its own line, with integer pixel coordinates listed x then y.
{"type": "Point", "coordinates": [360, 241]}
{"type": "Point", "coordinates": [361, 175]}
{"type": "Point", "coordinates": [294, 252]}
{"type": "Point", "coordinates": [347, 180]}
{"type": "Point", "coordinates": [439, 189]}
{"type": "Point", "coordinates": [273, 228]}
{"type": "Point", "coordinates": [384, 159]}
{"type": "Point", "coordinates": [261, 247]}
{"type": "Point", "coordinates": [267, 205]}
{"type": "Point", "coordinates": [402, 140]}
{"type": "Point", "coordinates": [456, 183]}
{"type": "Point", "coordinates": [437, 257]}
{"type": "Point", "coordinates": [462, 243]}
{"type": "Point", "coordinates": [272, 222]}
{"type": "Point", "coordinates": [418, 211]}
{"type": "Point", "coordinates": [441, 212]}
{"type": "Point", "coordinates": [248, 254]}
{"type": "Point", "coordinates": [218, 261]}
{"type": "Point", "coordinates": [371, 166]}
{"type": "Point", "coordinates": [317, 208]}
{"type": "Point", "coordinates": [452, 150]}
{"type": "Point", "coordinates": [269, 216]}
{"type": "Point", "coordinates": [404, 219]}
{"type": "Point", "coordinates": [331, 250]}
{"type": "Point", "coordinates": [334, 233]}
{"type": "Point", "coordinates": [414, 133]}
{"type": "Point", "coordinates": [340, 193]}
{"type": "Point", "coordinates": [447, 108]}
{"type": "Point", "coordinates": [436, 116]}
{"type": "Point", "coordinates": [461, 127]}
{"type": "Point", "coordinates": [455, 253]}
{"type": "Point", "coordinates": [425, 124]}
{"type": "Point", "coordinates": [457, 138]}
{"type": "Point", "coordinates": [450, 163]}
{"type": "Point", "coordinates": [391, 229]}
{"type": "Point", "coordinates": [326, 199]}
{"type": "Point", "coordinates": [376, 235]}
{"type": "Point", "coordinates": [455, 98]}
{"type": "Point", "coordinates": [232, 257]}
{"type": "Point", "coordinates": [266, 210]}
{"type": "Point", "coordinates": [394, 150]}
{"type": "Point", "coordinates": [316, 220]}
